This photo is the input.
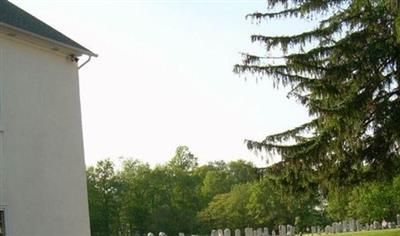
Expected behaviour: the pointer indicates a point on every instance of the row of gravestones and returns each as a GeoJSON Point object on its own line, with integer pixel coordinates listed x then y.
{"type": "Point", "coordinates": [164, 234]}
{"type": "Point", "coordinates": [159, 234]}
{"type": "Point", "coordinates": [344, 226]}
{"type": "Point", "coordinates": [353, 226]}
{"type": "Point", "coordinates": [283, 230]}
{"type": "Point", "coordinates": [337, 227]}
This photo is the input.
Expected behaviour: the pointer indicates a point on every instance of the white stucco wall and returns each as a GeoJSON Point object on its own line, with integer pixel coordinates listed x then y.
{"type": "Point", "coordinates": [42, 171]}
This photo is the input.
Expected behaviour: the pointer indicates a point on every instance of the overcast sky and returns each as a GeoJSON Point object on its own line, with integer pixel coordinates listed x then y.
{"type": "Point", "coordinates": [164, 77]}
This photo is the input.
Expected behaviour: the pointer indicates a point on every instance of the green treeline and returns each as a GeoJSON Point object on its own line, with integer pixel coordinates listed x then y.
{"type": "Point", "coordinates": [182, 196]}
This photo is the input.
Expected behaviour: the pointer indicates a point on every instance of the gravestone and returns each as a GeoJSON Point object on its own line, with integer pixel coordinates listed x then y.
{"type": "Point", "coordinates": [150, 234]}
{"type": "Point", "coordinates": [313, 230]}
{"type": "Point", "coordinates": [220, 232]}
{"type": "Point", "coordinates": [318, 229]}
{"type": "Point", "coordinates": [352, 225]}
{"type": "Point", "coordinates": [159, 234]}
{"type": "Point", "coordinates": [273, 233]}
{"type": "Point", "coordinates": [335, 227]}
{"type": "Point", "coordinates": [345, 226]}
{"type": "Point", "coordinates": [259, 232]}
{"type": "Point", "coordinates": [214, 232]}
{"type": "Point", "coordinates": [266, 232]}
{"type": "Point", "coordinates": [237, 232]}
{"type": "Point", "coordinates": [398, 220]}
{"type": "Point", "coordinates": [181, 234]}
{"type": "Point", "coordinates": [328, 229]}
{"type": "Point", "coordinates": [248, 231]}
{"type": "Point", "coordinates": [282, 230]}
{"type": "Point", "coordinates": [358, 226]}
{"type": "Point", "coordinates": [377, 225]}
{"type": "Point", "coordinates": [227, 232]}
{"type": "Point", "coordinates": [290, 230]}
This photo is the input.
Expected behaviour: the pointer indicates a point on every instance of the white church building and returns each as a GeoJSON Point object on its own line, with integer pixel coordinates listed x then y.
{"type": "Point", "coordinates": [42, 170]}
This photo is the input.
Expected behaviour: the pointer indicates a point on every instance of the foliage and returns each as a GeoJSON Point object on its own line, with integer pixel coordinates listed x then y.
{"type": "Point", "coordinates": [194, 198]}
{"type": "Point", "coordinates": [367, 202]}
{"type": "Point", "coordinates": [103, 190]}
{"type": "Point", "coordinates": [183, 160]}
{"type": "Point", "coordinates": [228, 210]}
{"type": "Point", "coordinates": [141, 199]}
{"type": "Point", "coordinates": [345, 72]}
{"type": "Point", "coordinates": [272, 204]}
{"type": "Point", "coordinates": [338, 203]}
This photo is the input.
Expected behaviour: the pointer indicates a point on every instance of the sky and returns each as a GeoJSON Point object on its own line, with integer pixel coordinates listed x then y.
{"type": "Point", "coordinates": [164, 77]}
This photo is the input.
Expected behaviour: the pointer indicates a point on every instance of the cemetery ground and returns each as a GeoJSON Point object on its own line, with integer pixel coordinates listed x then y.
{"type": "Point", "coordinates": [385, 232]}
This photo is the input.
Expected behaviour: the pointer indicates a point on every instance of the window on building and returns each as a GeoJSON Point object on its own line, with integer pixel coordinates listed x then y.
{"type": "Point", "coordinates": [2, 224]}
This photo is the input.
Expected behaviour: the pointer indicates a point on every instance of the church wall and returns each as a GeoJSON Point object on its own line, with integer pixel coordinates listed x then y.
{"type": "Point", "coordinates": [42, 171]}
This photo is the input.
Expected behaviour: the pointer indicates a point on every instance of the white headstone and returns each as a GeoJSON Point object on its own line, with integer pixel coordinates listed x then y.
{"type": "Point", "coordinates": [352, 225]}
{"type": "Point", "coordinates": [313, 230]}
{"type": "Point", "coordinates": [248, 231]}
{"type": "Point", "coordinates": [282, 230]}
{"type": "Point", "coordinates": [377, 225]}
{"type": "Point", "coordinates": [328, 229]}
{"type": "Point", "coordinates": [290, 230]}
{"type": "Point", "coordinates": [359, 226]}
{"type": "Point", "coordinates": [343, 226]}
{"type": "Point", "coordinates": [227, 232]}
{"type": "Point", "coordinates": [237, 232]}
{"type": "Point", "coordinates": [266, 232]}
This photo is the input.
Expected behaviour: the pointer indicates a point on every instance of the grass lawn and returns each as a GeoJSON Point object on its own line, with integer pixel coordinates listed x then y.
{"type": "Point", "coordinates": [386, 232]}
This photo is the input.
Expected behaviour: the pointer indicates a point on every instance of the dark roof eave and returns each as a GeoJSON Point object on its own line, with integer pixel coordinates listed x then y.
{"type": "Point", "coordinates": [79, 50]}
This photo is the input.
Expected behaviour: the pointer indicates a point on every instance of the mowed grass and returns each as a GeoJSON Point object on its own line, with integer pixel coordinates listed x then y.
{"type": "Point", "coordinates": [386, 232]}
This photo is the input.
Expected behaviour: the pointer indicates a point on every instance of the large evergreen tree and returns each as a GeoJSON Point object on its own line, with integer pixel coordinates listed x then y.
{"type": "Point", "coordinates": [346, 72]}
